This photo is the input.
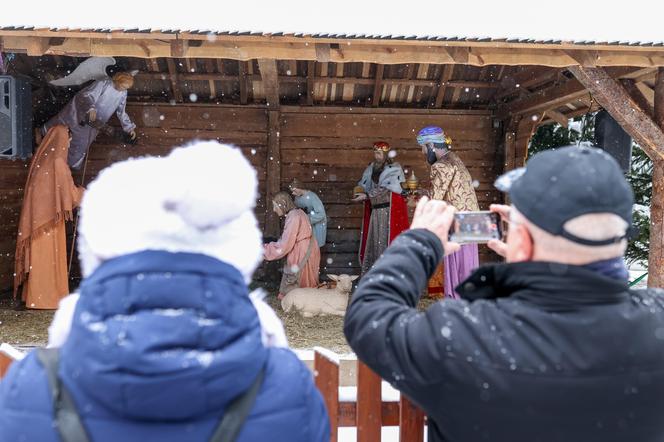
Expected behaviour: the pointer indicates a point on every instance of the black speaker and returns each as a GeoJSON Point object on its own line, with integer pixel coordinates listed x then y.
{"type": "Point", "coordinates": [611, 137]}
{"type": "Point", "coordinates": [15, 117]}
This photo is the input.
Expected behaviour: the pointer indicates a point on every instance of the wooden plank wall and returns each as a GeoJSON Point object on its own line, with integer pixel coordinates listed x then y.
{"type": "Point", "coordinates": [326, 148]}
{"type": "Point", "coordinates": [13, 174]}
{"type": "Point", "coordinates": [163, 127]}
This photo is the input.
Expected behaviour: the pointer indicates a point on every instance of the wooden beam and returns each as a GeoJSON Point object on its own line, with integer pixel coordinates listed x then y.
{"type": "Point", "coordinates": [527, 79]}
{"type": "Point", "coordinates": [378, 86]}
{"type": "Point", "coordinates": [173, 77]}
{"type": "Point", "coordinates": [179, 48]}
{"type": "Point", "coordinates": [456, 94]}
{"type": "Point", "coordinates": [647, 92]}
{"type": "Point", "coordinates": [209, 67]}
{"type": "Point", "coordinates": [558, 117]}
{"type": "Point", "coordinates": [153, 65]}
{"type": "Point", "coordinates": [614, 98]}
{"type": "Point", "coordinates": [268, 68]}
{"type": "Point", "coordinates": [422, 72]}
{"type": "Point", "coordinates": [147, 45]}
{"type": "Point", "coordinates": [220, 66]}
{"type": "Point", "coordinates": [656, 243]}
{"type": "Point", "coordinates": [584, 58]}
{"type": "Point", "coordinates": [311, 81]}
{"type": "Point", "coordinates": [638, 96]}
{"type": "Point", "coordinates": [552, 97]}
{"type": "Point", "coordinates": [273, 171]}
{"type": "Point", "coordinates": [242, 74]}
{"type": "Point", "coordinates": [322, 52]}
{"type": "Point", "coordinates": [518, 132]}
{"type": "Point", "coordinates": [445, 76]}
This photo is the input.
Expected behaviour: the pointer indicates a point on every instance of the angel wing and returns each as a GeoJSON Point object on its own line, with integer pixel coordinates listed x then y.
{"type": "Point", "coordinates": [93, 68]}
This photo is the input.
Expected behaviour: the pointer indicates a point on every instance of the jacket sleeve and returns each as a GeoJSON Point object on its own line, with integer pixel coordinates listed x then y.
{"type": "Point", "coordinates": [317, 213]}
{"type": "Point", "coordinates": [279, 249]}
{"type": "Point", "coordinates": [121, 113]}
{"type": "Point", "coordinates": [410, 349]}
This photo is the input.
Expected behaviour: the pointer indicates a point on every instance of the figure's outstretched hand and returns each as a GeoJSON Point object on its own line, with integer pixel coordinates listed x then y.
{"type": "Point", "coordinates": [361, 197]}
{"type": "Point", "coordinates": [437, 217]}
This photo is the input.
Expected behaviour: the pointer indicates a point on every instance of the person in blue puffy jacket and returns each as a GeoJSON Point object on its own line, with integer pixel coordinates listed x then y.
{"type": "Point", "coordinates": [163, 335]}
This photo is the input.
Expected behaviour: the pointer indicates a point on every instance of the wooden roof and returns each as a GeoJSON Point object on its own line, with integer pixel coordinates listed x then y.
{"type": "Point", "coordinates": [505, 90]}
{"type": "Point", "coordinates": [329, 48]}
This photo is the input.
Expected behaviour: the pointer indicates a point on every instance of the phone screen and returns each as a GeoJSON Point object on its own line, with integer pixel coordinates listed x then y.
{"type": "Point", "coordinates": [475, 227]}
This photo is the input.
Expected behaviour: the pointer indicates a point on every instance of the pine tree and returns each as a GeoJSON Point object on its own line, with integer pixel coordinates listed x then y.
{"type": "Point", "coordinates": [582, 129]}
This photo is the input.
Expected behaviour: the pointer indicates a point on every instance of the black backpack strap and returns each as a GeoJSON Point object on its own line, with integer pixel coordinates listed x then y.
{"type": "Point", "coordinates": [237, 412]}
{"type": "Point", "coordinates": [69, 424]}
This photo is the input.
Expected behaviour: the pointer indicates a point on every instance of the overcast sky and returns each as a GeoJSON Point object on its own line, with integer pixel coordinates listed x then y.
{"type": "Point", "coordinates": [636, 20]}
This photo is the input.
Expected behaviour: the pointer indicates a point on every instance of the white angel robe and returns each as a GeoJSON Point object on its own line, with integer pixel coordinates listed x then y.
{"type": "Point", "coordinates": [101, 96]}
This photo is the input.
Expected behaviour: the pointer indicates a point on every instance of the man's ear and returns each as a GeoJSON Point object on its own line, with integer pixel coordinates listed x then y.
{"type": "Point", "coordinates": [522, 244]}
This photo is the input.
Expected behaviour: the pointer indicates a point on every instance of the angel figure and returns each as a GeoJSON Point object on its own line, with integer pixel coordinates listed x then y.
{"type": "Point", "coordinates": [91, 108]}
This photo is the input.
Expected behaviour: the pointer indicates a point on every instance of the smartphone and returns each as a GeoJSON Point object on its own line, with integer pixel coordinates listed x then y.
{"type": "Point", "coordinates": [476, 227]}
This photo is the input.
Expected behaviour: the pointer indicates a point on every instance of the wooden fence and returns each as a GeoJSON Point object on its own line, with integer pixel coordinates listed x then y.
{"type": "Point", "coordinates": [369, 413]}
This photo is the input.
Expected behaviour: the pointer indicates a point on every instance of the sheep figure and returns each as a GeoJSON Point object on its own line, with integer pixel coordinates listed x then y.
{"type": "Point", "coordinates": [312, 302]}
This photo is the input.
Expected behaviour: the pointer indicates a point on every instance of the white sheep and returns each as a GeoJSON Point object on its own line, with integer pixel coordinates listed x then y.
{"type": "Point", "coordinates": [312, 302]}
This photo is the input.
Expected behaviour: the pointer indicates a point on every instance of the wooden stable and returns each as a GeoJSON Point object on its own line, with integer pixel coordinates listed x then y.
{"type": "Point", "coordinates": [310, 107]}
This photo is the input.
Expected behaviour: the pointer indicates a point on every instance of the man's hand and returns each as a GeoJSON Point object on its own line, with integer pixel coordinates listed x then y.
{"type": "Point", "coordinates": [359, 198]}
{"type": "Point", "coordinates": [436, 217]}
{"type": "Point", "coordinates": [132, 135]}
{"type": "Point", "coordinates": [92, 115]}
{"type": "Point", "coordinates": [499, 246]}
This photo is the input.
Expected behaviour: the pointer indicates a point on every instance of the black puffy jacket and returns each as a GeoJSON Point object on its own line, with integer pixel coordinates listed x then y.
{"type": "Point", "coordinates": [536, 352]}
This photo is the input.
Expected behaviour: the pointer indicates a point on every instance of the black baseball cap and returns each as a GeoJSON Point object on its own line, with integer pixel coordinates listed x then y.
{"type": "Point", "coordinates": [561, 184]}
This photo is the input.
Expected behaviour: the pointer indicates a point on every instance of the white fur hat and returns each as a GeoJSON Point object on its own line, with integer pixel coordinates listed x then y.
{"type": "Point", "coordinates": [198, 199]}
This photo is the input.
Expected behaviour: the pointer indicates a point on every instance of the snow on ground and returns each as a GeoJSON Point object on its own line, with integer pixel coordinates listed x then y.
{"type": "Point", "coordinates": [635, 271]}
{"type": "Point", "coordinates": [388, 434]}
{"type": "Point", "coordinates": [12, 352]}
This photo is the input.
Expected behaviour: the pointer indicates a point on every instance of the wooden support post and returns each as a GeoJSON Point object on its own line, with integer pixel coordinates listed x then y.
{"type": "Point", "coordinates": [378, 85]}
{"type": "Point", "coordinates": [173, 76]}
{"type": "Point", "coordinates": [615, 99]}
{"type": "Point", "coordinates": [179, 48]}
{"type": "Point", "coordinates": [638, 96]}
{"type": "Point", "coordinates": [327, 380]}
{"type": "Point", "coordinates": [311, 81]}
{"type": "Point", "coordinates": [411, 422]}
{"type": "Point", "coordinates": [558, 117]}
{"type": "Point", "coordinates": [369, 398]}
{"type": "Point", "coordinates": [242, 65]}
{"type": "Point", "coordinates": [649, 135]}
{"type": "Point", "coordinates": [209, 68]}
{"type": "Point", "coordinates": [445, 77]}
{"type": "Point", "coordinates": [273, 171]}
{"type": "Point", "coordinates": [268, 68]}
{"type": "Point", "coordinates": [656, 257]}
{"type": "Point", "coordinates": [510, 143]}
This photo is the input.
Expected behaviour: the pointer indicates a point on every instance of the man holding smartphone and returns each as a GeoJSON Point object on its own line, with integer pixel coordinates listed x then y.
{"type": "Point", "coordinates": [551, 345]}
{"type": "Point", "coordinates": [450, 182]}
